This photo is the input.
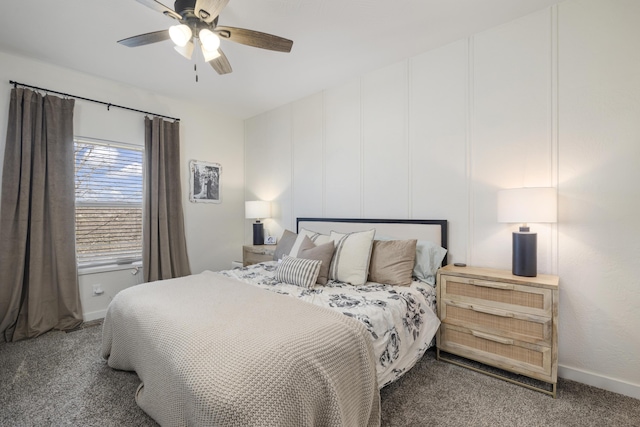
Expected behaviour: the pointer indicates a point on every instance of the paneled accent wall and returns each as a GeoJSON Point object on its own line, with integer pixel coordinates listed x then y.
{"type": "Point", "coordinates": [550, 99]}
{"type": "Point", "coordinates": [308, 156]}
{"type": "Point", "coordinates": [419, 139]}
{"type": "Point", "coordinates": [439, 140]}
{"type": "Point", "coordinates": [342, 151]}
{"type": "Point", "coordinates": [511, 131]}
{"type": "Point", "coordinates": [599, 151]}
{"type": "Point", "coordinates": [385, 149]}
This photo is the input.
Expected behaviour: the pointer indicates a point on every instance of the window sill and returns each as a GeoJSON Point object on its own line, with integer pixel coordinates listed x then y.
{"type": "Point", "coordinates": [136, 266]}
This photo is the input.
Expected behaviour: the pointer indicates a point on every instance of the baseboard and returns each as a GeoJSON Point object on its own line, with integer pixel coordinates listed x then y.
{"type": "Point", "coordinates": [94, 315]}
{"type": "Point", "coordinates": [599, 381]}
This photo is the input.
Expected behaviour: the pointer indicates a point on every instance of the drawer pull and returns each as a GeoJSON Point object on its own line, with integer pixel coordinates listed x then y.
{"type": "Point", "coordinates": [495, 285]}
{"type": "Point", "coordinates": [505, 341]}
{"type": "Point", "coordinates": [487, 310]}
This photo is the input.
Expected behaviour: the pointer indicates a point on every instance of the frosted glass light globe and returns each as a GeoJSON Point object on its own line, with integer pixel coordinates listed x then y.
{"type": "Point", "coordinates": [180, 34]}
{"type": "Point", "coordinates": [209, 40]}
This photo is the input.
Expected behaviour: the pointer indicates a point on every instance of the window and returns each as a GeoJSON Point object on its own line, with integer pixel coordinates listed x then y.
{"type": "Point", "coordinates": [108, 187]}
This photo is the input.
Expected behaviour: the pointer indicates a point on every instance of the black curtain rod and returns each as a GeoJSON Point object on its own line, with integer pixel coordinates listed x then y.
{"type": "Point", "coordinates": [108, 104]}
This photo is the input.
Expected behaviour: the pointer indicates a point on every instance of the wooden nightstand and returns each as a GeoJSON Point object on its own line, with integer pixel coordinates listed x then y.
{"type": "Point", "coordinates": [506, 321]}
{"type": "Point", "coordinates": [253, 254]}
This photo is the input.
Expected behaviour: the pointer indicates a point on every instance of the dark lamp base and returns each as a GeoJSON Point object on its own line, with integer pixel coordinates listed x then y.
{"type": "Point", "coordinates": [258, 233]}
{"type": "Point", "coordinates": [525, 254]}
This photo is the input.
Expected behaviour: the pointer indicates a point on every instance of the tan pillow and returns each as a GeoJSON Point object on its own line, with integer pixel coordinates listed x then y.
{"type": "Point", "coordinates": [324, 253]}
{"type": "Point", "coordinates": [392, 261]}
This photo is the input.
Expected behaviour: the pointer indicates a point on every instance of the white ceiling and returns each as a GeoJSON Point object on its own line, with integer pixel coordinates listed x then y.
{"type": "Point", "coordinates": [334, 40]}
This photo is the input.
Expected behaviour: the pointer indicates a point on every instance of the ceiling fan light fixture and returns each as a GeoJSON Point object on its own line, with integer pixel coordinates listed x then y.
{"type": "Point", "coordinates": [186, 50]}
{"type": "Point", "coordinates": [197, 23]}
{"type": "Point", "coordinates": [180, 34]}
{"type": "Point", "coordinates": [210, 41]}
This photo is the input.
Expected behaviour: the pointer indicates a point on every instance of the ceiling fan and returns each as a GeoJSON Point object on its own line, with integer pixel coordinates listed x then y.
{"type": "Point", "coordinates": [198, 23]}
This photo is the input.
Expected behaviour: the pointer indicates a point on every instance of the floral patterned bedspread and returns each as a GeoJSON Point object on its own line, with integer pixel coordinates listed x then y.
{"type": "Point", "coordinates": [402, 320]}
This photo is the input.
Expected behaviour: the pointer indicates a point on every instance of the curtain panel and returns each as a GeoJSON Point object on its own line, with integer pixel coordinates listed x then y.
{"type": "Point", "coordinates": [39, 288]}
{"type": "Point", "coordinates": [164, 247]}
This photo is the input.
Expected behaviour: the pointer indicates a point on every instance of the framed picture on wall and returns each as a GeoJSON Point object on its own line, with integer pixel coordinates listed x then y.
{"type": "Point", "coordinates": [204, 182]}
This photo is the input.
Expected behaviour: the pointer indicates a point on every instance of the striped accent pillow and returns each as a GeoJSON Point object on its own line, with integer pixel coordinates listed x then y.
{"type": "Point", "coordinates": [298, 271]}
{"type": "Point", "coordinates": [351, 258]}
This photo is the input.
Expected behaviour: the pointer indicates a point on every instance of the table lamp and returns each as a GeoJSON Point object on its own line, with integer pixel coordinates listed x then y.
{"type": "Point", "coordinates": [526, 205]}
{"type": "Point", "coordinates": [257, 210]}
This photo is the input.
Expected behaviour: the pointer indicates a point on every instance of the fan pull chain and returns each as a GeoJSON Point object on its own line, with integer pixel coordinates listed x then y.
{"type": "Point", "coordinates": [195, 69]}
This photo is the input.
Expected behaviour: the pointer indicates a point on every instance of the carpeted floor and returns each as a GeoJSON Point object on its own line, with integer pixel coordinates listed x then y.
{"type": "Point", "coordinates": [59, 379]}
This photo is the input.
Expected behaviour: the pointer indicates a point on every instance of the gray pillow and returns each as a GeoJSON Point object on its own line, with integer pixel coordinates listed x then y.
{"type": "Point", "coordinates": [429, 258]}
{"type": "Point", "coordinates": [392, 262]}
{"type": "Point", "coordinates": [324, 253]}
{"type": "Point", "coordinates": [284, 244]}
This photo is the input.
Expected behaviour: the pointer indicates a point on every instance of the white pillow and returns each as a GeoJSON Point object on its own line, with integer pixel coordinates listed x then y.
{"type": "Point", "coordinates": [317, 238]}
{"type": "Point", "coordinates": [351, 258]}
{"type": "Point", "coordinates": [298, 271]}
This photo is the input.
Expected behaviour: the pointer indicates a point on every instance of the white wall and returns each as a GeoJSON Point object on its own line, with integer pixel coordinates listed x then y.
{"type": "Point", "coordinates": [599, 156]}
{"type": "Point", "coordinates": [214, 232]}
{"type": "Point", "coordinates": [548, 100]}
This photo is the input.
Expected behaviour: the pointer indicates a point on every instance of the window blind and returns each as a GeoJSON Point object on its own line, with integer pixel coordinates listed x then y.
{"type": "Point", "coordinates": [108, 188]}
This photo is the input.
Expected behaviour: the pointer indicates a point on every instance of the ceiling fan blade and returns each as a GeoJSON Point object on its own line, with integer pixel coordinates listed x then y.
{"type": "Point", "coordinates": [159, 7]}
{"type": "Point", "coordinates": [148, 38]}
{"type": "Point", "coordinates": [208, 10]}
{"type": "Point", "coordinates": [221, 64]}
{"type": "Point", "coordinates": [255, 38]}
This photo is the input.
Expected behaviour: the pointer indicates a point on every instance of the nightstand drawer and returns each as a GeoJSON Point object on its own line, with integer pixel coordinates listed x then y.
{"type": "Point", "coordinates": [502, 352]}
{"type": "Point", "coordinates": [511, 324]}
{"type": "Point", "coordinates": [502, 295]}
{"type": "Point", "coordinates": [257, 253]}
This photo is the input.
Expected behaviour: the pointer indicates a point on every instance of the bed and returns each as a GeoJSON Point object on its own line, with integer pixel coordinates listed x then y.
{"type": "Point", "coordinates": [244, 347]}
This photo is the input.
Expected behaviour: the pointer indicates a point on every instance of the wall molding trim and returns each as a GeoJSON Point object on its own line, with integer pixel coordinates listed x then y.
{"type": "Point", "coordinates": [599, 381]}
{"type": "Point", "coordinates": [469, 146]}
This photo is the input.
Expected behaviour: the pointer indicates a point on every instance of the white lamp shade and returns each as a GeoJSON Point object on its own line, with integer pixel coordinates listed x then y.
{"type": "Point", "coordinates": [257, 209]}
{"type": "Point", "coordinates": [524, 205]}
{"type": "Point", "coordinates": [209, 40]}
{"type": "Point", "coordinates": [208, 55]}
{"type": "Point", "coordinates": [180, 34]}
{"type": "Point", "coordinates": [186, 50]}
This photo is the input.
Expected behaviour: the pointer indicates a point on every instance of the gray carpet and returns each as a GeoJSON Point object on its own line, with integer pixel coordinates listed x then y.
{"type": "Point", "coordinates": [59, 379]}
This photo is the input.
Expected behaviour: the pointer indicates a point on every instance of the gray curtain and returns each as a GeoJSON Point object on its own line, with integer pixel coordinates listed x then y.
{"type": "Point", "coordinates": [164, 248]}
{"type": "Point", "coordinates": [39, 287]}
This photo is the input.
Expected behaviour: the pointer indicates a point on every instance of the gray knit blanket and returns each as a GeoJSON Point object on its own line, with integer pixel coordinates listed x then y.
{"type": "Point", "coordinates": [212, 351]}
